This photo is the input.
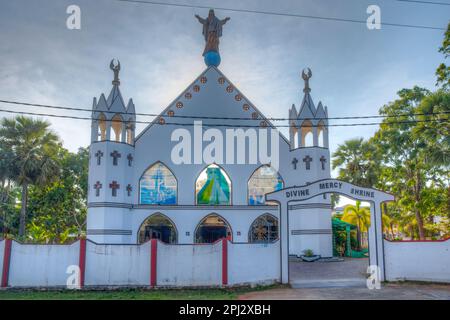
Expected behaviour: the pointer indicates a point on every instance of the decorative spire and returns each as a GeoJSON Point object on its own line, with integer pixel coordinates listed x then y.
{"type": "Point", "coordinates": [306, 76]}
{"type": "Point", "coordinates": [115, 69]}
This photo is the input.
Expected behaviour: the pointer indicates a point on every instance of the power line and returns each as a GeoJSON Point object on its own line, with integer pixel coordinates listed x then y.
{"type": "Point", "coordinates": [278, 14]}
{"type": "Point", "coordinates": [426, 2]}
{"type": "Point", "coordinates": [229, 125]}
{"type": "Point", "coordinates": [218, 118]}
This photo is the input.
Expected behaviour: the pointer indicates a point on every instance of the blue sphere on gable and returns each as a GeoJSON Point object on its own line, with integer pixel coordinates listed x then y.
{"type": "Point", "coordinates": [212, 58]}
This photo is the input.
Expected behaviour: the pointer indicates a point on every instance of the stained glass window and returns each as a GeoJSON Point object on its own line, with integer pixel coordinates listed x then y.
{"type": "Point", "coordinates": [158, 186]}
{"type": "Point", "coordinates": [264, 180]}
{"type": "Point", "coordinates": [213, 186]}
{"type": "Point", "coordinates": [264, 229]}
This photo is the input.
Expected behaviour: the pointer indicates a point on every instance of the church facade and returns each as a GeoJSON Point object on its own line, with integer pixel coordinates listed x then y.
{"type": "Point", "coordinates": [139, 191]}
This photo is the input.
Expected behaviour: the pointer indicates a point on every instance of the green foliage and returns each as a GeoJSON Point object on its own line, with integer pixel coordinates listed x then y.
{"type": "Point", "coordinates": [41, 182]}
{"type": "Point", "coordinates": [31, 150]}
{"type": "Point", "coordinates": [60, 207]}
{"type": "Point", "coordinates": [308, 253]}
{"type": "Point", "coordinates": [443, 71]}
{"type": "Point", "coordinates": [357, 161]}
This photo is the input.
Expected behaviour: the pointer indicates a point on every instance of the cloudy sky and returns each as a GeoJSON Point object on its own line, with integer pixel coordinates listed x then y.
{"type": "Point", "coordinates": [355, 71]}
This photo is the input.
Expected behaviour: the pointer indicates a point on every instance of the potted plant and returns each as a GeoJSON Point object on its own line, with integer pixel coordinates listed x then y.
{"type": "Point", "coordinates": [309, 256]}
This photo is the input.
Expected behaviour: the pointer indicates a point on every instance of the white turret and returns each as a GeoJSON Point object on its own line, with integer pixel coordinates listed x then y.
{"type": "Point", "coordinates": [309, 126]}
{"type": "Point", "coordinates": [111, 163]}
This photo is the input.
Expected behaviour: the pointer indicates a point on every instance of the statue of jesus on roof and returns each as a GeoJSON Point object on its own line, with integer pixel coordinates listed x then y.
{"type": "Point", "coordinates": [212, 31]}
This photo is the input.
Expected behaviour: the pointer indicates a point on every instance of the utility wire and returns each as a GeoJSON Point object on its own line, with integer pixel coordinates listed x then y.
{"type": "Point", "coordinates": [230, 125]}
{"type": "Point", "coordinates": [279, 14]}
{"type": "Point", "coordinates": [219, 118]}
{"type": "Point", "coordinates": [425, 2]}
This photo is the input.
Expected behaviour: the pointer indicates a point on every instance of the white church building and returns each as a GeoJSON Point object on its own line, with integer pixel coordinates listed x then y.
{"type": "Point", "coordinates": [138, 192]}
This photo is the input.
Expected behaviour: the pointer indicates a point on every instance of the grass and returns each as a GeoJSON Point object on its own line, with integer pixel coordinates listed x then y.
{"type": "Point", "coordinates": [131, 294]}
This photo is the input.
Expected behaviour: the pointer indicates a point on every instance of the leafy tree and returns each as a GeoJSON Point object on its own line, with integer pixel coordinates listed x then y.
{"type": "Point", "coordinates": [414, 152]}
{"type": "Point", "coordinates": [33, 149]}
{"type": "Point", "coordinates": [358, 216]}
{"type": "Point", "coordinates": [59, 209]}
{"type": "Point", "coordinates": [443, 71]}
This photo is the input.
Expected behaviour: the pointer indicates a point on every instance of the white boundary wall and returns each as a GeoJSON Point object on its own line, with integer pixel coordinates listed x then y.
{"type": "Point", "coordinates": [34, 265]}
{"type": "Point", "coordinates": [117, 265]}
{"type": "Point", "coordinates": [421, 260]}
{"type": "Point", "coordinates": [189, 265]}
{"type": "Point", "coordinates": [41, 265]}
{"type": "Point", "coordinates": [253, 263]}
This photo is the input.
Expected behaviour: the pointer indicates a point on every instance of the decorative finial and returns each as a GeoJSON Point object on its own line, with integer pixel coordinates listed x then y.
{"type": "Point", "coordinates": [306, 76]}
{"type": "Point", "coordinates": [212, 31]}
{"type": "Point", "coordinates": [115, 69]}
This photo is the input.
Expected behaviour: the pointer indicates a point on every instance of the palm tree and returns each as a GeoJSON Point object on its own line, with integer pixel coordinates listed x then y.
{"type": "Point", "coordinates": [357, 161]}
{"type": "Point", "coordinates": [359, 216]}
{"type": "Point", "coordinates": [33, 148]}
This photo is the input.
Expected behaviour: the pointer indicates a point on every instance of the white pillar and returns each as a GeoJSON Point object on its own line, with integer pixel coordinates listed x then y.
{"type": "Point", "coordinates": [284, 242]}
{"type": "Point", "coordinates": [376, 247]}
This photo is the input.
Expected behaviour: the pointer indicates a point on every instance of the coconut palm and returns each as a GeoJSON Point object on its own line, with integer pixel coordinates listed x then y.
{"type": "Point", "coordinates": [358, 216]}
{"type": "Point", "coordinates": [33, 149]}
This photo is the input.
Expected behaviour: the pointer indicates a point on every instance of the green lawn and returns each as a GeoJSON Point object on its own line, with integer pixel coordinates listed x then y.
{"type": "Point", "coordinates": [130, 294]}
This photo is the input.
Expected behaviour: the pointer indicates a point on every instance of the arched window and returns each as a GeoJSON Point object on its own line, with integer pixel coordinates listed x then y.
{"type": "Point", "coordinates": [264, 229]}
{"type": "Point", "coordinates": [321, 134]}
{"type": "Point", "coordinates": [158, 185]}
{"type": "Point", "coordinates": [307, 134]}
{"type": "Point", "coordinates": [212, 228]}
{"type": "Point", "coordinates": [102, 127]}
{"type": "Point", "coordinates": [264, 180]}
{"type": "Point", "coordinates": [116, 125]}
{"type": "Point", "coordinates": [213, 187]}
{"type": "Point", "coordinates": [158, 226]}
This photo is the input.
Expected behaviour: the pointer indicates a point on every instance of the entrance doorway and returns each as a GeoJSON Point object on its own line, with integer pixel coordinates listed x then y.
{"type": "Point", "coordinates": [212, 228]}
{"type": "Point", "coordinates": [158, 226]}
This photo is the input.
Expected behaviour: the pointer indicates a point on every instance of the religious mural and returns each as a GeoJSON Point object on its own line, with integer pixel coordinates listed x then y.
{"type": "Point", "coordinates": [158, 186]}
{"type": "Point", "coordinates": [213, 187]}
{"type": "Point", "coordinates": [264, 180]}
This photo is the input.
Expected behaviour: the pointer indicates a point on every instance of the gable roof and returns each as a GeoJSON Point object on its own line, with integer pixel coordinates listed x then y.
{"type": "Point", "coordinates": [245, 116]}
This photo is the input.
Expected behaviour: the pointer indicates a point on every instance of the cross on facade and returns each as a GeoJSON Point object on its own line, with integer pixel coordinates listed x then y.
{"type": "Point", "coordinates": [116, 155]}
{"type": "Point", "coordinates": [294, 163]}
{"type": "Point", "coordinates": [99, 156]}
{"type": "Point", "coordinates": [307, 160]}
{"type": "Point", "coordinates": [130, 159]}
{"type": "Point", "coordinates": [129, 189]}
{"type": "Point", "coordinates": [114, 186]}
{"type": "Point", "coordinates": [323, 160]}
{"type": "Point", "coordinates": [97, 187]}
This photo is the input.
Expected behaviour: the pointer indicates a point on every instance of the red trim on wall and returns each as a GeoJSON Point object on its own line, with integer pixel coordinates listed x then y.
{"type": "Point", "coordinates": [82, 261]}
{"type": "Point", "coordinates": [153, 257]}
{"type": "Point", "coordinates": [440, 240]}
{"type": "Point", "coordinates": [6, 262]}
{"type": "Point", "coordinates": [224, 261]}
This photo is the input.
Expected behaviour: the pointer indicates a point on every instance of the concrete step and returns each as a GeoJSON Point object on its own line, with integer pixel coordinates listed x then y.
{"type": "Point", "coordinates": [329, 283]}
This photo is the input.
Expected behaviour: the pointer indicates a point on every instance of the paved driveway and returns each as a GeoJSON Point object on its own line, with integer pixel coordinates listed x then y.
{"type": "Point", "coordinates": [391, 291]}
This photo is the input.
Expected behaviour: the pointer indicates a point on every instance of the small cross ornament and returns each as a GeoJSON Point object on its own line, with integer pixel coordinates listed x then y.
{"type": "Point", "coordinates": [97, 187]}
{"type": "Point", "coordinates": [114, 186]}
{"type": "Point", "coordinates": [130, 159]}
{"type": "Point", "coordinates": [294, 163]}
{"type": "Point", "coordinates": [307, 160]}
{"type": "Point", "coordinates": [116, 155]}
{"type": "Point", "coordinates": [323, 160]}
{"type": "Point", "coordinates": [99, 156]}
